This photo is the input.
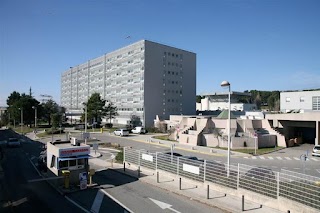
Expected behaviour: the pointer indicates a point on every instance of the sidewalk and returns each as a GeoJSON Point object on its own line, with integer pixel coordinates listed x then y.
{"type": "Point", "coordinates": [190, 189]}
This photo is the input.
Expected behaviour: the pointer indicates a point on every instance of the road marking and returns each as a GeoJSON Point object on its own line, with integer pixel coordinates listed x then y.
{"type": "Point", "coordinates": [261, 157]}
{"type": "Point", "coordinates": [35, 167]}
{"type": "Point", "coordinates": [163, 205]}
{"type": "Point", "coordinates": [246, 157]}
{"type": "Point", "coordinates": [296, 158]}
{"type": "Point", "coordinates": [76, 204]}
{"type": "Point", "coordinates": [253, 157]}
{"type": "Point", "coordinates": [318, 170]}
{"type": "Point", "coordinates": [97, 202]}
{"type": "Point", "coordinates": [279, 158]}
{"type": "Point", "coordinates": [271, 158]}
{"type": "Point", "coordinates": [117, 201]}
{"type": "Point", "coordinates": [287, 158]}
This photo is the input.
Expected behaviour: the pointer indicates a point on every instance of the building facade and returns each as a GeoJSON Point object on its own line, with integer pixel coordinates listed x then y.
{"type": "Point", "coordinates": [307, 101]}
{"type": "Point", "coordinates": [144, 79]}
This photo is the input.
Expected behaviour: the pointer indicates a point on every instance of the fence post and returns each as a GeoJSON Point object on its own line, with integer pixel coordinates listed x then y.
{"type": "Point", "coordinates": [139, 160]}
{"type": "Point", "coordinates": [124, 154]}
{"type": "Point", "coordinates": [179, 183]}
{"type": "Point", "coordinates": [124, 166]}
{"type": "Point", "coordinates": [178, 166]}
{"type": "Point", "coordinates": [204, 171]}
{"type": "Point", "coordinates": [156, 161]}
{"type": "Point", "coordinates": [278, 184]}
{"type": "Point", "coordinates": [208, 191]}
{"type": "Point", "coordinates": [157, 177]}
{"type": "Point", "coordinates": [238, 176]}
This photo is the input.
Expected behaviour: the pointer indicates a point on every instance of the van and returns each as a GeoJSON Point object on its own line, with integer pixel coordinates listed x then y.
{"type": "Point", "coordinates": [138, 130]}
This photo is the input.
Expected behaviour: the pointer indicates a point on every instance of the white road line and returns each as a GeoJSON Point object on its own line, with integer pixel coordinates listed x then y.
{"type": "Point", "coordinates": [97, 202]}
{"type": "Point", "coordinates": [279, 158]}
{"type": "Point", "coordinates": [287, 158]}
{"type": "Point", "coordinates": [246, 157]}
{"type": "Point", "coordinates": [296, 158]}
{"type": "Point", "coordinates": [261, 157]}
{"type": "Point", "coordinates": [253, 157]}
{"type": "Point", "coordinates": [35, 168]}
{"type": "Point", "coordinates": [271, 158]}
{"type": "Point", "coordinates": [117, 201]}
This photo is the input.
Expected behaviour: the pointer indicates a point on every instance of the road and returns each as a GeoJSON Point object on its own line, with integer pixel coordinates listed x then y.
{"type": "Point", "coordinates": [287, 159]}
{"type": "Point", "coordinates": [20, 196]}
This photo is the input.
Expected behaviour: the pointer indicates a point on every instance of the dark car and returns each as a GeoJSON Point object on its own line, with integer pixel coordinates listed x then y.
{"type": "Point", "coordinates": [260, 173]}
{"type": "Point", "coordinates": [174, 154]}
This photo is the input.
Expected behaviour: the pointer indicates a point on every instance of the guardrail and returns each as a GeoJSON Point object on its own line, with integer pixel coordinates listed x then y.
{"type": "Point", "coordinates": [290, 185]}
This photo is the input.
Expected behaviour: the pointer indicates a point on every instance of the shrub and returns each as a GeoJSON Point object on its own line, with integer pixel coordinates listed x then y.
{"type": "Point", "coordinates": [119, 157]}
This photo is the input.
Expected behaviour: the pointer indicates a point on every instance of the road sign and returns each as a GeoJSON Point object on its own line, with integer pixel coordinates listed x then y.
{"type": "Point", "coordinates": [83, 176]}
{"type": "Point", "coordinates": [83, 184]}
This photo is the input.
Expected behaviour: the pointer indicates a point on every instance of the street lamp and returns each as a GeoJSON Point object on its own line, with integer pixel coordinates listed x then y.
{"type": "Point", "coordinates": [35, 117]}
{"type": "Point", "coordinates": [21, 113]}
{"type": "Point", "coordinates": [227, 84]}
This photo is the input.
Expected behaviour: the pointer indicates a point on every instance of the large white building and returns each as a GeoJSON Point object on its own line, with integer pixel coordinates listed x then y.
{"type": "Point", "coordinates": [307, 101]}
{"type": "Point", "coordinates": [143, 79]}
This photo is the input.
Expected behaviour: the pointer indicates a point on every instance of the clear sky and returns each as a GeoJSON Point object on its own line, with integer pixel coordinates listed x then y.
{"type": "Point", "coordinates": [254, 44]}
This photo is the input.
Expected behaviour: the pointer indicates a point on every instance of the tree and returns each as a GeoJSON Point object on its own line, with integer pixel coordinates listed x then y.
{"type": "Point", "coordinates": [96, 108]}
{"type": "Point", "coordinates": [112, 111]}
{"type": "Point", "coordinates": [48, 109]}
{"type": "Point", "coordinates": [257, 101]}
{"type": "Point", "coordinates": [135, 121]}
{"type": "Point", "coordinates": [198, 98]}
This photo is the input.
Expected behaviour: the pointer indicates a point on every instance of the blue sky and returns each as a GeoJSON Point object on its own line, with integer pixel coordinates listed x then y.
{"type": "Point", "coordinates": [263, 45]}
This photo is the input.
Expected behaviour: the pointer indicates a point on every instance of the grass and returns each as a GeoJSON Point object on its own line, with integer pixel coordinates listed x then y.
{"type": "Point", "coordinates": [260, 151]}
{"type": "Point", "coordinates": [164, 137]}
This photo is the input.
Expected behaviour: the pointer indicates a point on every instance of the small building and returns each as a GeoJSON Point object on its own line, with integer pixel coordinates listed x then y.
{"type": "Point", "coordinates": [296, 101]}
{"type": "Point", "coordinates": [68, 155]}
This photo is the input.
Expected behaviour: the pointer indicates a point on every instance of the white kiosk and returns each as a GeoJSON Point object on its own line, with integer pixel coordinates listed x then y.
{"type": "Point", "coordinates": [68, 155]}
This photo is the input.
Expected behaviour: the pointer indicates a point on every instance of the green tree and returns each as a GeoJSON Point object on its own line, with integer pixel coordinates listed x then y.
{"type": "Point", "coordinates": [198, 98]}
{"type": "Point", "coordinates": [135, 121]}
{"type": "Point", "coordinates": [112, 111]}
{"type": "Point", "coordinates": [96, 108]}
{"type": "Point", "coordinates": [49, 108]}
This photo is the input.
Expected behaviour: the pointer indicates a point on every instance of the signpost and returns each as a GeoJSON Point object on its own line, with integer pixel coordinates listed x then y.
{"type": "Point", "coordinates": [255, 143]}
{"type": "Point", "coordinates": [95, 147]}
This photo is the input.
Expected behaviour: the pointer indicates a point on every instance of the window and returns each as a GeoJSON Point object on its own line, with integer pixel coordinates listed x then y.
{"type": "Point", "coordinates": [302, 99]}
{"type": "Point", "coordinates": [53, 161]}
{"type": "Point", "coordinates": [63, 164]}
{"type": "Point", "coordinates": [72, 163]}
{"type": "Point", "coordinates": [287, 99]}
{"type": "Point", "coordinates": [316, 103]}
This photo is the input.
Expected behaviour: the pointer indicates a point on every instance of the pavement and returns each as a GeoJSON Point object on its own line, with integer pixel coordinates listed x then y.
{"type": "Point", "coordinates": [190, 189]}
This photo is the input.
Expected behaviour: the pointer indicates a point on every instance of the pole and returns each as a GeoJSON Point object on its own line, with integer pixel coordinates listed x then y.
{"type": "Point", "coordinates": [21, 114]}
{"type": "Point", "coordinates": [85, 118]}
{"type": "Point", "coordinates": [242, 202]}
{"type": "Point", "coordinates": [208, 191]}
{"type": "Point", "coordinates": [35, 118]}
{"type": "Point", "coordinates": [229, 127]}
{"type": "Point", "coordinates": [255, 145]}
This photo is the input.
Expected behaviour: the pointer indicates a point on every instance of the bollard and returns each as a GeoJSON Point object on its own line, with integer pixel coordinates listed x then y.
{"type": "Point", "coordinates": [66, 174]}
{"type": "Point", "coordinates": [207, 191]}
{"type": "Point", "coordinates": [138, 171]}
{"type": "Point", "coordinates": [288, 211]}
{"type": "Point", "coordinates": [179, 183]}
{"type": "Point", "coordinates": [157, 177]}
{"type": "Point", "coordinates": [124, 166]}
{"type": "Point", "coordinates": [242, 202]}
{"type": "Point", "coordinates": [91, 173]}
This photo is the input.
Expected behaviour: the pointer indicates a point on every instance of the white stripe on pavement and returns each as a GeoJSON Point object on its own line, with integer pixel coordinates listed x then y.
{"type": "Point", "coordinates": [287, 158]}
{"type": "Point", "coordinates": [246, 157]}
{"type": "Point", "coordinates": [97, 202]}
{"type": "Point", "coordinates": [253, 157]}
{"type": "Point", "coordinates": [296, 158]}
{"type": "Point", "coordinates": [279, 158]}
{"type": "Point", "coordinates": [271, 158]}
{"type": "Point", "coordinates": [76, 204]}
{"type": "Point", "coordinates": [261, 157]}
{"type": "Point", "coordinates": [117, 201]}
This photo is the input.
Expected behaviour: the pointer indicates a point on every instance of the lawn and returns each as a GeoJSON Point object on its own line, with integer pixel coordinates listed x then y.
{"type": "Point", "coordinates": [260, 151]}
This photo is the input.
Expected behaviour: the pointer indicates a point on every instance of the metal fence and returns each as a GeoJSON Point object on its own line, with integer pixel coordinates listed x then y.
{"type": "Point", "coordinates": [291, 185]}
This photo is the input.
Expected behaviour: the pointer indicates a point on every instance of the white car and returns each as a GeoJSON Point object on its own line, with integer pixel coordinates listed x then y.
{"type": "Point", "coordinates": [138, 130]}
{"type": "Point", "coordinates": [316, 150]}
{"type": "Point", "coordinates": [121, 132]}
{"type": "Point", "coordinates": [12, 142]}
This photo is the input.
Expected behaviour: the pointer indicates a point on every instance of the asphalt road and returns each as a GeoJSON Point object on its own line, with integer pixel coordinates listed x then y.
{"type": "Point", "coordinates": [20, 196]}
{"type": "Point", "coordinates": [279, 159]}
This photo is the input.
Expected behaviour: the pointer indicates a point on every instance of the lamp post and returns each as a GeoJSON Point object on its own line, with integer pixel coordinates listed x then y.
{"type": "Point", "coordinates": [21, 113]}
{"type": "Point", "coordinates": [227, 84]}
{"type": "Point", "coordinates": [86, 118]}
{"type": "Point", "coordinates": [35, 117]}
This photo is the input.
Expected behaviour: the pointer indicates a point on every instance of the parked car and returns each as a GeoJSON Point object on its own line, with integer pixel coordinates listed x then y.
{"type": "Point", "coordinates": [121, 132]}
{"type": "Point", "coordinates": [261, 173]}
{"type": "Point", "coordinates": [138, 130]}
{"type": "Point", "coordinates": [13, 142]}
{"type": "Point", "coordinates": [316, 150]}
{"type": "Point", "coordinates": [174, 154]}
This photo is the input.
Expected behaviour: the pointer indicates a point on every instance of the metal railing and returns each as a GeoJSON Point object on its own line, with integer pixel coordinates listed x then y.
{"type": "Point", "coordinates": [290, 185]}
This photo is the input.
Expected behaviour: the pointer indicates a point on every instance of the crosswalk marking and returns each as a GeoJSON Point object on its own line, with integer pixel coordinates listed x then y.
{"type": "Point", "coordinates": [97, 202]}
{"type": "Point", "coordinates": [246, 157]}
{"type": "Point", "coordinates": [296, 158]}
{"type": "Point", "coordinates": [279, 158]}
{"type": "Point", "coordinates": [261, 157]}
{"type": "Point", "coordinates": [287, 158]}
{"type": "Point", "coordinates": [253, 157]}
{"type": "Point", "coordinates": [271, 158]}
